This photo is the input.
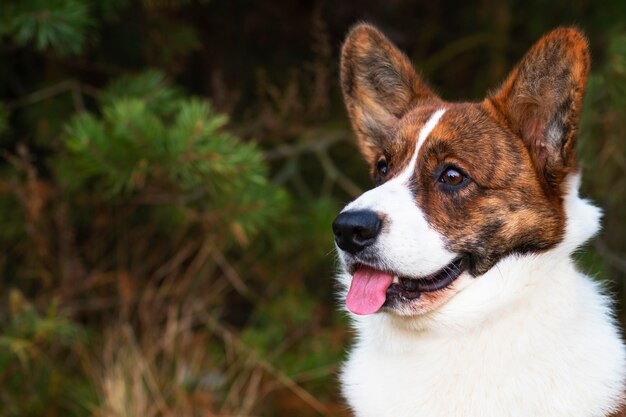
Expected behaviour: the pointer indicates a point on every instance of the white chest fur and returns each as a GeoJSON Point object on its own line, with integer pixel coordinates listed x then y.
{"type": "Point", "coordinates": [524, 364]}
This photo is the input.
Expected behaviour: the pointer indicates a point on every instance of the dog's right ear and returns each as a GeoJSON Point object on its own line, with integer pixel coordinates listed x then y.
{"type": "Point", "coordinates": [379, 86]}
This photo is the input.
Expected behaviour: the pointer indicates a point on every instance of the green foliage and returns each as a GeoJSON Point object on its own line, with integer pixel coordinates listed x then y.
{"type": "Point", "coordinates": [58, 24]}
{"type": "Point", "coordinates": [27, 342]}
{"type": "Point", "coordinates": [171, 160]}
{"type": "Point", "coordinates": [26, 332]}
{"type": "Point", "coordinates": [150, 86]}
{"type": "Point", "coordinates": [150, 140]}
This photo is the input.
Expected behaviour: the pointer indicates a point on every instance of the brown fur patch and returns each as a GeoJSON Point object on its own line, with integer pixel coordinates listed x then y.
{"type": "Point", "coordinates": [502, 209]}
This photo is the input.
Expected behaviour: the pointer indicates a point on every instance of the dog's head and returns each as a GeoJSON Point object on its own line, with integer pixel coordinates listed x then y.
{"type": "Point", "coordinates": [459, 186]}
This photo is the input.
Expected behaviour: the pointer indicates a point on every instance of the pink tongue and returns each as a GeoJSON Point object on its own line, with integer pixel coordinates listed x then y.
{"type": "Point", "coordinates": [368, 291]}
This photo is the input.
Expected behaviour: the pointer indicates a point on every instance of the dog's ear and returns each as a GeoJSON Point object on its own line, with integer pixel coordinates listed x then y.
{"type": "Point", "coordinates": [379, 86]}
{"type": "Point", "coordinates": [542, 98]}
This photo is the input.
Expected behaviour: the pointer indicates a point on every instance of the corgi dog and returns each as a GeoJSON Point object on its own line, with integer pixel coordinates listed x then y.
{"type": "Point", "coordinates": [456, 267]}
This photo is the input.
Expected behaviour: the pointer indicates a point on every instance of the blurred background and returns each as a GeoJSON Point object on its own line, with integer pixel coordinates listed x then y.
{"type": "Point", "coordinates": [169, 170]}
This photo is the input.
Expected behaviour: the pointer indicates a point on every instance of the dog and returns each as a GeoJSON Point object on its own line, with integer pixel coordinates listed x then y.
{"type": "Point", "coordinates": [456, 267]}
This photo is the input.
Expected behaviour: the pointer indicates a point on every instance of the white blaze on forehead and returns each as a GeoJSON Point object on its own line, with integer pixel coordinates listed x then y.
{"type": "Point", "coordinates": [428, 127]}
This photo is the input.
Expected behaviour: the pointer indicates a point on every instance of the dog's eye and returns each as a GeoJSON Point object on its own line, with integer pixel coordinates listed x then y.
{"type": "Point", "coordinates": [381, 170]}
{"type": "Point", "coordinates": [382, 167]}
{"type": "Point", "coordinates": [452, 177]}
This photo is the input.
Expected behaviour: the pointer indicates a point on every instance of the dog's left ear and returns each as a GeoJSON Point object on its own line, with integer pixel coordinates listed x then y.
{"type": "Point", "coordinates": [542, 98]}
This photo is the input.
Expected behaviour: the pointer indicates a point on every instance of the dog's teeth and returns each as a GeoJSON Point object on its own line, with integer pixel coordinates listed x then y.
{"type": "Point", "coordinates": [396, 280]}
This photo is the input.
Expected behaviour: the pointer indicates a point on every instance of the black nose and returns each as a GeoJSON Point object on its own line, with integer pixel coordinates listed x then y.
{"type": "Point", "coordinates": [354, 230]}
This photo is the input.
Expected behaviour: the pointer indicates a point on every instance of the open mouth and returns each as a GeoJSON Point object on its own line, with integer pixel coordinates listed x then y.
{"type": "Point", "coordinates": [412, 287]}
{"type": "Point", "coordinates": [371, 288]}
